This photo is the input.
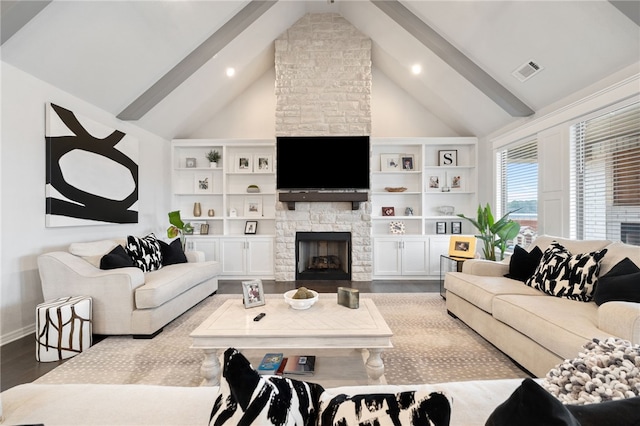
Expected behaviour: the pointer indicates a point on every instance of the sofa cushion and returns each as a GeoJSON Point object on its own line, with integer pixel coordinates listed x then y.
{"type": "Point", "coordinates": [621, 283]}
{"type": "Point", "coordinates": [531, 405]}
{"type": "Point", "coordinates": [574, 246]}
{"type": "Point", "coordinates": [165, 284]}
{"type": "Point", "coordinates": [93, 251]}
{"type": "Point", "coordinates": [404, 408]}
{"type": "Point", "coordinates": [617, 252]}
{"type": "Point", "coordinates": [246, 397]}
{"type": "Point", "coordinates": [560, 325]}
{"type": "Point", "coordinates": [146, 252]}
{"type": "Point", "coordinates": [172, 253]}
{"type": "Point", "coordinates": [523, 263]}
{"type": "Point", "coordinates": [480, 290]}
{"type": "Point", "coordinates": [116, 258]}
{"type": "Point", "coordinates": [563, 274]}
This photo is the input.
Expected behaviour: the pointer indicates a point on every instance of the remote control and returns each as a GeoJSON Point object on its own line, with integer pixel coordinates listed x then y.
{"type": "Point", "coordinates": [259, 317]}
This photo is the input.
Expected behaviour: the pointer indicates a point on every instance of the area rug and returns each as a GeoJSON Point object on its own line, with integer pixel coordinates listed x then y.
{"type": "Point", "coordinates": [429, 346]}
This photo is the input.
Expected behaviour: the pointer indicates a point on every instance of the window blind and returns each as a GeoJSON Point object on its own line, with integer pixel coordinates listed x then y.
{"type": "Point", "coordinates": [517, 187]}
{"type": "Point", "coordinates": [605, 176]}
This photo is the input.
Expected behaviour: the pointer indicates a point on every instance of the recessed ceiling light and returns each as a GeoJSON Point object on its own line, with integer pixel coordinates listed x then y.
{"type": "Point", "coordinates": [416, 69]}
{"type": "Point", "coordinates": [231, 72]}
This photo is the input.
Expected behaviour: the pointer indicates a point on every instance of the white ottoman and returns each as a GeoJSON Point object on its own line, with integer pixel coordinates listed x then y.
{"type": "Point", "coordinates": [63, 328]}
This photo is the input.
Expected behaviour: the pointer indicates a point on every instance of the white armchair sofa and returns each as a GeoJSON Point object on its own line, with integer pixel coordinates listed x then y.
{"type": "Point", "coordinates": [127, 300]}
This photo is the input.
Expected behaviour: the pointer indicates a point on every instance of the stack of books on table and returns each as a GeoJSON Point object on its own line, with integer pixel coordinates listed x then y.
{"type": "Point", "coordinates": [277, 363]}
{"type": "Point", "coordinates": [270, 363]}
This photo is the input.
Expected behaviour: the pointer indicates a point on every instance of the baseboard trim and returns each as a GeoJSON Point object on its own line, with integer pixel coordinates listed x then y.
{"type": "Point", "coordinates": [17, 334]}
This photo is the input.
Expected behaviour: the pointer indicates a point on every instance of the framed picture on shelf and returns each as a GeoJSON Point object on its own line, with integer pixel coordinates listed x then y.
{"type": "Point", "coordinates": [253, 207]}
{"type": "Point", "coordinates": [243, 164]}
{"type": "Point", "coordinates": [253, 293]}
{"type": "Point", "coordinates": [251, 227]}
{"type": "Point", "coordinates": [390, 162]}
{"type": "Point", "coordinates": [396, 227]}
{"type": "Point", "coordinates": [434, 182]}
{"type": "Point", "coordinates": [263, 163]}
{"type": "Point", "coordinates": [204, 229]}
{"type": "Point", "coordinates": [190, 162]}
{"type": "Point", "coordinates": [407, 162]}
{"type": "Point", "coordinates": [456, 182]}
{"type": "Point", "coordinates": [448, 157]}
{"type": "Point", "coordinates": [197, 227]}
{"type": "Point", "coordinates": [388, 211]}
{"type": "Point", "coordinates": [441, 227]}
{"type": "Point", "coordinates": [460, 246]}
{"type": "Point", "coordinates": [456, 227]}
{"type": "Point", "coordinates": [203, 183]}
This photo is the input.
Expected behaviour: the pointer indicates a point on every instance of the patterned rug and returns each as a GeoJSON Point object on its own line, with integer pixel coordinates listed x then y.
{"type": "Point", "coordinates": [429, 347]}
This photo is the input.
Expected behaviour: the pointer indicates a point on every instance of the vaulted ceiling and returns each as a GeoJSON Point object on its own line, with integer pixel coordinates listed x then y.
{"type": "Point", "coordinates": [162, 64]}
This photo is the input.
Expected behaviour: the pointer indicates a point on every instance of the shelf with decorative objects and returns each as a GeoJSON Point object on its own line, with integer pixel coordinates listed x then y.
{"type": "Point", "coordinates": [418, 185]}
{"type": "Point", "coordinates": [233, 200]}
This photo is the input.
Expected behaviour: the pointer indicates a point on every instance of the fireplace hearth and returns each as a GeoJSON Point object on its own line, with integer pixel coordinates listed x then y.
{"type": "Point", "coordinates": [323, 256]}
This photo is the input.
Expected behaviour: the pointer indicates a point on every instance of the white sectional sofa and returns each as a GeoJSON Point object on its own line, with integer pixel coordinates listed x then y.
{"type": "Point", "coordinates": [537, 330]}
{"type": "Point", "coordinates": [127, 300]}
{"type": "Point", "coordinates": [86, 405]}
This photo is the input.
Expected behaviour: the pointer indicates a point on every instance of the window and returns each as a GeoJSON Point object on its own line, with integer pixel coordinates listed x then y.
{"type": "Point", "coordinates": [517, 188]}
{"type": "Point", "coordinates": [605, 177]}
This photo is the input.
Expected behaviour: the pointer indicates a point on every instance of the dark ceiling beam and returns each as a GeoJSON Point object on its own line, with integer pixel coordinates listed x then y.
{"type": "Point", "coordinates": [631, 9]}
{"type": "Point", "coordinates": [455, 58]}
{"type": "Point", "coordinates": [15, 15]}
{"type": "Point", "coordinates": [196, 59]}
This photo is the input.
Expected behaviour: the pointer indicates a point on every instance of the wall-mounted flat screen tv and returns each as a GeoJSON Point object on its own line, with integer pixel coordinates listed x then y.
{"type": "Point", "coordinates": [322, 162]}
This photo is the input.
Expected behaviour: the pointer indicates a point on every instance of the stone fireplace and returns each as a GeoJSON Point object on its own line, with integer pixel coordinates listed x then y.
{"type": "Point", "coordinates": [323, 256]}
{"type": "Point", "coordinates": [323, 87]}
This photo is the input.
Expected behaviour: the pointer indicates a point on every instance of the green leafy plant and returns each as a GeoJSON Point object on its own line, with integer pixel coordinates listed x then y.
{"type": "Point", "coordinates": [494, 234]}
{"type": "Point", "coordinates": [178, 227]}
{"type": "Point", "coordinates": [213, 156]}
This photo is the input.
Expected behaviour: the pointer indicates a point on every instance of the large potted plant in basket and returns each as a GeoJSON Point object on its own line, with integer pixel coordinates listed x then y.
{"type": "Point", "coordinates": [494, 234]}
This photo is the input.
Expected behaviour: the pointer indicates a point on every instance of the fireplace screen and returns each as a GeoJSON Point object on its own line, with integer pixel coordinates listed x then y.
{"type": "Point", "coordinates": [323, 256]}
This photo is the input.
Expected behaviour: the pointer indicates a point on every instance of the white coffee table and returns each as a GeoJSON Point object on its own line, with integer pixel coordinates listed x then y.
{"type": "Point", "coordinates": [325, 325]}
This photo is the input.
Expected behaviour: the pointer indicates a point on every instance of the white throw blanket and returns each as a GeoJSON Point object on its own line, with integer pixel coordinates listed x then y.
{"type": "Point", "coordinates": [606, 370]}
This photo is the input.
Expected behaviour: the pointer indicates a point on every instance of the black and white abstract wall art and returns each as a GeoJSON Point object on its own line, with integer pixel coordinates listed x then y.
{"type": "Point", "coordinates": [92, 171]}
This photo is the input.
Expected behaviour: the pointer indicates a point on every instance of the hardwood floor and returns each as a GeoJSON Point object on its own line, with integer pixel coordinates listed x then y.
{"type": "Point", "coordinates": [18, 363]}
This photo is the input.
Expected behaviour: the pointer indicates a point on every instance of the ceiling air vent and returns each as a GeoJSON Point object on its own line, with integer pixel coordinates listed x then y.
{"type": "Point", "coordinates": [527, 70]}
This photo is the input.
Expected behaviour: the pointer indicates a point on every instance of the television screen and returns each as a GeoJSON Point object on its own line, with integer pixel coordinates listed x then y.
{"type": "Point", "coordinates": [322, 162]}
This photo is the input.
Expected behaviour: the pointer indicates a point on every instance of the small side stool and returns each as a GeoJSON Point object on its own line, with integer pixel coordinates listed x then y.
{"type": "Point", "coordinates": [63, 328]}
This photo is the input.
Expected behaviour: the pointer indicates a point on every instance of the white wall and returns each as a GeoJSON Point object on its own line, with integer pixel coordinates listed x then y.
{"type": "Point", "coordinates": [22, 189]}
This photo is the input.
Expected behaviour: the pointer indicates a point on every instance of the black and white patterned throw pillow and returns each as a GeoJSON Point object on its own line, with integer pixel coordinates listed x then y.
{"type": "Point", "coordinates": [247, 398]}
{"type": "Point", "coordinates": [145, 252]}
{"type": "Point", "coordinates": [562, 274]}
{"type": "Point", "coordinates": [404, 408]}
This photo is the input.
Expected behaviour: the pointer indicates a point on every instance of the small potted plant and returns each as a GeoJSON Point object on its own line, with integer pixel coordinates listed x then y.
{"type": "Point", "coordinates": [213, 156]}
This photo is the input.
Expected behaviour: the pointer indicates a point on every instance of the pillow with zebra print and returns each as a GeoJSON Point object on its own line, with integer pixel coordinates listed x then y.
{"type": "Point", "coordinates": [246, 397]}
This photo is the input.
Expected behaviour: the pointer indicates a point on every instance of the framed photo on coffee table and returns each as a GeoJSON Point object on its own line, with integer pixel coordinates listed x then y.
{"type": "Point", "coordinates": [253, 293]}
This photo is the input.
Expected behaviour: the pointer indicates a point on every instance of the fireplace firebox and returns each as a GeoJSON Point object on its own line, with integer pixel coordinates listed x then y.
{"type": "Point", "coordinates": [323, 256]}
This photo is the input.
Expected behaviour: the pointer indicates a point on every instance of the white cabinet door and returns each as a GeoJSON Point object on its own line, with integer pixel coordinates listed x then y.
{"type": "Point", "coordinates": [387, 254]}
{"type": "Point", "coordinates": [437, 246]}
{"type": "Point", "coordinates": [232, 256]}
{"type": "Point", "coordinates": [260, 259]}
{"type": "Point", "coordinates": [209, 246]}
{"type": "Point", "coordinates": [415, 256]}
{"type": "Point", "coordinates": [247, 256]}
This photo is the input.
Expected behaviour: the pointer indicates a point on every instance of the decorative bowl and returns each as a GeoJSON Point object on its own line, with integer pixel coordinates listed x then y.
{"type": "Point", "coordinates": [446, 210]}
{"type": "Point", "coordinates": [395, 189]}
{"type": "Point", "coordinates": [300, 303]}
